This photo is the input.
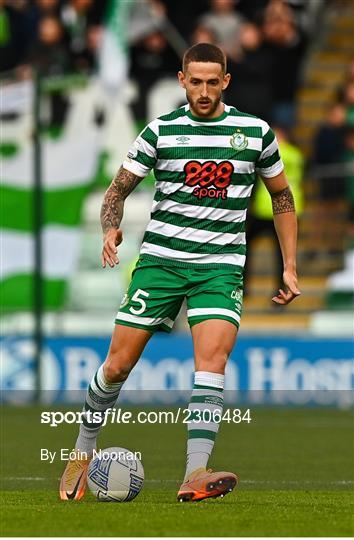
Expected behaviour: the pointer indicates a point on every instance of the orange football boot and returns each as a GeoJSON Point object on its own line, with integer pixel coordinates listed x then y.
{"type": "Point", "coordinates": [202, 484]}
{"type": "Point", "coordinates": [73, 482]}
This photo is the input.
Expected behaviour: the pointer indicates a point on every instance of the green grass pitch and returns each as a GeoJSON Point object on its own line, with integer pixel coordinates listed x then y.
{"type": "Point", "coordinates": [295, 467]}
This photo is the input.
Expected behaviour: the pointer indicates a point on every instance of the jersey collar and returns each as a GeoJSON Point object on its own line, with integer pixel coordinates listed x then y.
{"type": "Point", "coordinates": [201, 119]}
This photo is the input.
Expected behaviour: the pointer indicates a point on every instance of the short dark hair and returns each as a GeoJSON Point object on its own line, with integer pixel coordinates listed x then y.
{"type": "Point", "coordinates": [204, 52]}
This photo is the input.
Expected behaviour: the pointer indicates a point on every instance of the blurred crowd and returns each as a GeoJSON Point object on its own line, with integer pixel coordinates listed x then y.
{"type": "Point", "coordinates": [265, 41]}
{"type": "Point", "coordinates": [60, 37]}
{"type": "Point", "coordinates": [333, 162]}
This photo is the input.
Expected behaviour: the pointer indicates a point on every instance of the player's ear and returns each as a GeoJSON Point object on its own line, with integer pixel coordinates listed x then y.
{"type": "Point", "coordinates": [181, 79]}
{"type": "Point", "coordinates": [226, 81]}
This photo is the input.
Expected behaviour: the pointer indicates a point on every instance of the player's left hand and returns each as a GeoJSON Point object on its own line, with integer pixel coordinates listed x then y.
{"type": "Point", "coordinates": [291, 289]}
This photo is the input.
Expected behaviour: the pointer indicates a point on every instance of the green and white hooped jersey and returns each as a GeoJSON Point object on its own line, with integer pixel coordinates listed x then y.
{"type": "Point", "coordinates": [205, 170]}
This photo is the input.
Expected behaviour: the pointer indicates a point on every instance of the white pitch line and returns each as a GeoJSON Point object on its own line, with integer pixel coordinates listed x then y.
{"type": "Point", "coordinates": [271, 482]}
{"type": "Point", "coordinates": [28, 478]}
{"type": "Point", "coordinates": [242, 481]}
{"type": "Point", "coordinates": [298, 482]}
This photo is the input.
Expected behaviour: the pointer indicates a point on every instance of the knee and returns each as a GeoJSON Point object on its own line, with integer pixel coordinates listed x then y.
{"type": "Point", "coordinates": [116, 369]}
{"type": "Point", "coordinates": [214, 361]}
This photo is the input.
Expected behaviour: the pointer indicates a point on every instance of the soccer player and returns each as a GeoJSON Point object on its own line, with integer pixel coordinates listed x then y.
{"type": "Point", "coordinates": [205, 156]}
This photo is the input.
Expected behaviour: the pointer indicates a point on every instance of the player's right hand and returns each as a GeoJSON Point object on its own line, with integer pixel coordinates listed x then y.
{"type": "Point", "coordinates": [111, 239]}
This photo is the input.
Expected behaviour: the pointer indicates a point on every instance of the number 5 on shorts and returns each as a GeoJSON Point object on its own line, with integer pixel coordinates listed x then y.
{"type": "Point", "coordinates": [137, 298]}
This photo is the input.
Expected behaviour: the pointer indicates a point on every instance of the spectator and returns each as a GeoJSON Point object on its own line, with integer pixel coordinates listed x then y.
{"type": "Point", "coordinates": [51, 55]}
{"type": "Point", "coordinates": [97, 12]}
{"type": "Point", "coordinates": [75, 19]}
{"type": "Point", "coordinates": [252, 88]}
{"type": "Point", "coordinates": [328, 151]}
{"type": "Point", "coordinates": [37, 10]}
{"type": "Point", "coordinates": [349, 163]}
{"type": "Point", "coordinates": [47, 7]}
{"type": "Point", "coordinates": [50, 52]}
{"type": "Point", "coordinates": [226, 24]}
{"type": "Point", "coordinates": [345, 94]}
{"type": "Point", "coordinates": [341, 283]}
{"type": "Point", "coordinates": [13, 37]}
{"type": "Point", "coordinates": [185, 22]}
{"type": "Point", "coordinates": [151, 59]}
{"type": "Point", "coordinates": [287, 45]}
{"type": "Point", "coordinates": [327, 159]}
{"type": "Point", "coordinates": [349, 101]}
{"type": "Point", "coordinates": [146, 17]}
{"type": "Point", "coordinates": [260, 217]}
{"type": "Point", "coordinates": [202, 34]}
{"type": "Point", "coordinates": [252, 11]}
{"type": "Point", "coordinates": [88, 57]}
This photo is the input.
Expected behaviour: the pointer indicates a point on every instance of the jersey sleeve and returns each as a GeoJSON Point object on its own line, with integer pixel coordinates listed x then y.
{"type": "Point", "coordinates": [269, 163]}
{"type": "Point", "coordinates": [142, 155]}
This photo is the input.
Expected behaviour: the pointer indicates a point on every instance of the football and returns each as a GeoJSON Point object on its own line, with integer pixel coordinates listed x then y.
{"type": "Point", "coordinates": [115, 474]}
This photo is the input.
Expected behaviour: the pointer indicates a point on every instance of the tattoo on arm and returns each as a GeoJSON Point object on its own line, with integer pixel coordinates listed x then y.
{"type": "Point", "coordinates": [283, 201]}
{"type": "Point", "coordinates": [113, 203]}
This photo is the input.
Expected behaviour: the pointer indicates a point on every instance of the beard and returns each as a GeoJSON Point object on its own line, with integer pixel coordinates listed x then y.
{"type": "Point", "coordinates": [199, 110]}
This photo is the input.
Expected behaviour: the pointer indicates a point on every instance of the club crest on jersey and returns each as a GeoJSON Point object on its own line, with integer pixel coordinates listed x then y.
{"type": "Point", "coordinates": [209, 179]}
{"type": "Point", "coordinates": [239, 141]}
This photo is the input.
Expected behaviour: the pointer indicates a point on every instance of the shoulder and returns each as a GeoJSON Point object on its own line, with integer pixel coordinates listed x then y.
{"type": "Point", "coordinates": [173, 115]}
{"type": "Point", "coordinates": [155, 124]}
{"type": "Point", "coordinates": [152, 129]}
{"type": "Point", "coordinates": [248, 120]}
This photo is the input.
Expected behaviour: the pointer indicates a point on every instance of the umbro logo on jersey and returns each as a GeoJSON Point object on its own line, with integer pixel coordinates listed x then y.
{"type": "Point", "coordinates": [133, 150]}
{"type": "Point", "coordinates": [125, 301]}
{"type": "Point", "coordinates": [182, 139]}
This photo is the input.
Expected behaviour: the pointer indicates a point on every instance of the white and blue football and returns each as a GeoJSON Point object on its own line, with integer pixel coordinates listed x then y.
{"type": "Point", "coordinates": [115, 474]}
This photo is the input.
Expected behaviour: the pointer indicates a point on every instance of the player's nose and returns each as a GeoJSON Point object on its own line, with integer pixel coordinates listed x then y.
{"type": "Point", "coordinates": [204, 90]}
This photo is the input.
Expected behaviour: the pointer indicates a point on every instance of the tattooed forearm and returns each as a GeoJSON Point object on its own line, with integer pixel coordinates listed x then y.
{"type": "Point", "coordinates": [283, 201]}
{"type": "Point", "coordinates": [113, 203]}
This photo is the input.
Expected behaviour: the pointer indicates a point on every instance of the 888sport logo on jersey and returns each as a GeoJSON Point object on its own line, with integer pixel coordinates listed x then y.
{"type": "Point", "coordinates": [210, 179]}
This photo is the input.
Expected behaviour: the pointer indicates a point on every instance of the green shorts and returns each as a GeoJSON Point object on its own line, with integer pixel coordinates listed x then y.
{"type": "Point", "coordinates": [156, 293]}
